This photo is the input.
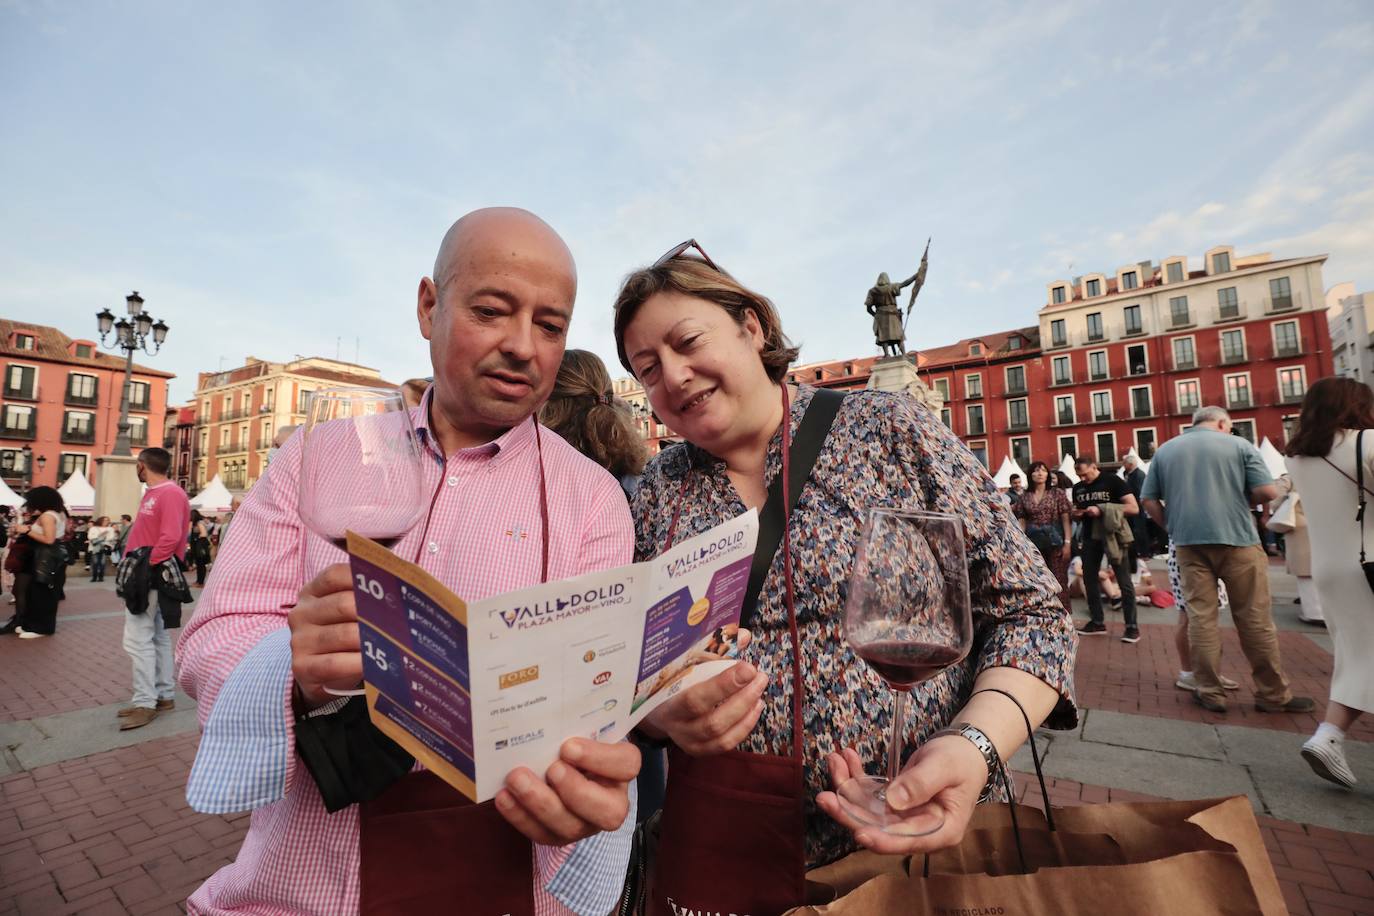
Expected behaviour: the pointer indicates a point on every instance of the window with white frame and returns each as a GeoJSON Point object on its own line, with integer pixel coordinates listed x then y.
{"type": "Point", "coordinates": [21, 382]}
{"type": "Point", "coordinates": [1131, 313]}
{"type": "Point", "coordinates": [302, 401]}
{"type": "Point", "coordinates": [1016, 379]}
{"type": "Point", "coordinates": [1280, 293]}
{"type": "Point", "coordinates": [1102, 405]}
{"type": "Point", "coordinates": [1178, 311]}
{"type": "Point", "coordinates": [1245, 429]}
{"type": "Point", "coordinates": [1094, 287]}
{"type": "Point", "coordinates": [1130, 280]}
{"type": "Point", "coordinates": [1018, 414]}
{"type": "Point", "coordinates": [942, 386]}
{"type": "Point", "coordinates": [1059, 336]}
{"type": "Point", "coordinates": [1228, 305]}
{"type": "Point", "coordinates": [1221, 262]}
{"type": "Point", "coordinates": [1238, 390]}
{"type": "Point", "coordinates": [138, 430]}
{"type": "Point", "coordinates": [947, 417]}
{"type": "Point", "coordinates": [72, 463]}
{"type": "Point", "coordinates": [980, 451]}
{"type": "Point", "coordinates": [1068, 445]}
{"type": "Point", "coordinates": [1292, 384]}
{"type": "Point", "coordinates": [974, 415]}
{"type": "Point", "coordinates": [78, 424]}
{"type": "Point", "coordinates": [1095, 326]}
{"type": "Point", "coordinates": [1063, 410]}
{"type": "Point", "coordinates": [1106, 447]}
{"type": "Point", "coordinates": [138, 395]}
{"type": "Point", "coordinates": [1286, 338]}
{"type": "Point", "coordinates": [1057, 295]}
{"type": "Point", "coordinates": [1173, 272]}
{"type": "Point", "coordinates": [81, 388]}
{"type": "Point", "coordinates": [1233, 346]}
{"type": "Point", "coordinates": [1097, 365]}
{"type": "Point", "coordinates": [973, 385]}
{"type": "Point", "coordinates": [1145, 443]}
{"type": "Point", "coordinates": [1021, 451]}
{"type": "Point", "coordinates": [19, 421]}
{"type": "Point", "coordinates": [1142, 402]}
{"type": "Point", "coordinates": [1185, 357]}
{"type": "Point", "coordinates": [1137, 360]}
{"type": "Point", "coordinates": [224, 432]}
{"type": "Point", "coordinates": [1063, 374]}
{"type": "Point", "coordinates": [1188, 394]}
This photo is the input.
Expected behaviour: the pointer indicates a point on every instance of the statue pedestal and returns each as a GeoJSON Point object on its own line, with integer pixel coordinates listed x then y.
{"type": "Point", "coordinates": [898, 373]}
{"type": "Point", "coordinates": [117, 487]}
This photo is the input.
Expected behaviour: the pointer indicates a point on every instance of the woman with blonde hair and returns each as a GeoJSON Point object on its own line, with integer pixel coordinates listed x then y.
{"type": "Point", "coordinates": [584, 410]}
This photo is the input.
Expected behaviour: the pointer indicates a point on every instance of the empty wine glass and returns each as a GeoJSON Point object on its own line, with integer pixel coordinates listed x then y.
{"type": "Point", "coordinates": [361, 469]}
{"type": "Point", "coordinates": [908, 617]}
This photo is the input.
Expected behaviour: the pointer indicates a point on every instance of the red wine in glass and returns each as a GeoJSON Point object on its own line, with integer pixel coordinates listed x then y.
{"type": "Point", "coordinates": [908, 616]}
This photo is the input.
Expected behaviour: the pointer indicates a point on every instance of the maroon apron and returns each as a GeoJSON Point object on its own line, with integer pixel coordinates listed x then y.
{"type": "Point", "coordinates": [732, 835]}
{"type": "Point", "coordinates": [425, 848]}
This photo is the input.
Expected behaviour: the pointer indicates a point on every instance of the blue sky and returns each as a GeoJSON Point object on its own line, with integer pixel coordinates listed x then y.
{"type": "Point", "coordinates": [274, 178]}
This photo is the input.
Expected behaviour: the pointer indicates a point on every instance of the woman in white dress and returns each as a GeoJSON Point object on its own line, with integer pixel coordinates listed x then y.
{"type": "Point", "coordinates": [1321, 461]}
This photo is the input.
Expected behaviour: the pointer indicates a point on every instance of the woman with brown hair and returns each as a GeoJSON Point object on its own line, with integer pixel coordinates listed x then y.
{"type": "Point", "coordinates": [583, 410]}
{"type": "Point", "coordinates": [1322, 463]}
{"type": "Point", "coordinates": [755, 751]}
{"type": "Point", "coordinates": [1044, 513]}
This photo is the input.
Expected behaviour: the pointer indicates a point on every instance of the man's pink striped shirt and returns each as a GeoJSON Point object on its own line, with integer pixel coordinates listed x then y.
{"type": "Point", "coordinates": [483, 538]}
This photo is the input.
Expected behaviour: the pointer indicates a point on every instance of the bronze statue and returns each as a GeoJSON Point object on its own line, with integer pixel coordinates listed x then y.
{"type": "Point", "coordinates": [889, 324]}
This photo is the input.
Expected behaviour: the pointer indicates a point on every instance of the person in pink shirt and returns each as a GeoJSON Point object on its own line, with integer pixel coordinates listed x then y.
{"type": "Point", "coordinates": [161, 525]}
{"type": "Point", "coordinates": [276, 629]}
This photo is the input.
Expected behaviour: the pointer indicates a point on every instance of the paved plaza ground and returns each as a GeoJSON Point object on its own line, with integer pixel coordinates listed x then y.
{"type": "Point", "coordinates": [94, 820]}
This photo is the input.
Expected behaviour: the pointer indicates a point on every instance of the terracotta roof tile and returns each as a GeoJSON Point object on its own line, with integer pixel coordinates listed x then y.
{"type": "Point", "coordinates": [52, 345]}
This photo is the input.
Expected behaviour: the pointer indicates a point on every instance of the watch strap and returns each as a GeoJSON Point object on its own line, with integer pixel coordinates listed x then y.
{"type": "Point", "coordinates": [980, 740]}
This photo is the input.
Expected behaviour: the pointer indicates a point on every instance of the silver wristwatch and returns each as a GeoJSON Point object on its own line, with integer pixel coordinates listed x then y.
{"type": "Point", "coordinates": [985, 747]}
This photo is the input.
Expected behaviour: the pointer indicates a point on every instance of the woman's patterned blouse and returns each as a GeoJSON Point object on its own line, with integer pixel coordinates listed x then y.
{"type": "Point", "coordinates": [883, 450]}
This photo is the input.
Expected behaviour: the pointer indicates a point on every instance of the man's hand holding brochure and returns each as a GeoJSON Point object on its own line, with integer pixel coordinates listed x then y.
{"type": "Point", "coordinates": [475, 690]}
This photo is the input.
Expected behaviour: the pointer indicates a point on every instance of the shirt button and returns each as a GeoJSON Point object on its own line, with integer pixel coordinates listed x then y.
{"type": "Point", "coordinates": [453, 481]}
{"type": "Point", "coordinates": [433, 546]}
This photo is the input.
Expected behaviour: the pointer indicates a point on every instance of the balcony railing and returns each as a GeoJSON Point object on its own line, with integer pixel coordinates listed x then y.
{"type": "Point", "coordinates": [1018, 426]}
{"type": "Point", "coordinates": [141, 406]}
{"type": "Point", "coordinates": [1275, 304]}
{"type": "Point", "coordinates": [1015, 390]}
{"type": "Point", "coordinates": [238, 414]}
{"type": "Point", "coordinates": [81, 400]}
{"type": "Point", "coordinates": [1141, 412]}
{"type": "Point", "coordinates": [1184, 364]}
{"type": "Point", "coordinates": [1230, 312]}
{"type": "Point", "coordinates": [1061, 381]}
{"type": "Point", "coordinates": [1099, 376]}
{"type": "Point", "coordinates": [1230, 359]}
{"type": "Point", "coordinates": [1239, 402]}
{"type": "Point", "coordinates": [1101, 417]}
{"type": "Point", "coordinates": [1291, 396]}
{"type": "Point", "coordinates": [78, 436]}
{"type": "Point", "coordinates": [1133, 332]}
{"type": "Point", "coordinates": [1185, 408]}
{"type": "Point", "coordinates": [1287, 351]}
{"type": "Point", "coordinates": [20, 431]}
{"type": "Point", "coordinates": [976, 429]}
{"type": "Point", "coordinates": [233, 448]}
{"type": "Point", "coordinates": [1180, 321]}
{"type": "Point", "coordinates": [1094, 338]}
{"type": "Point", "coordinates": [1065, 419]}
{"type": "Point", "coordinates": [21, 393]}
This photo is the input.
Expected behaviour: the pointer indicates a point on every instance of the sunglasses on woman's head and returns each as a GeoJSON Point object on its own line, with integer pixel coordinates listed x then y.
{"type": "Point", "coordinates": [678, 250]}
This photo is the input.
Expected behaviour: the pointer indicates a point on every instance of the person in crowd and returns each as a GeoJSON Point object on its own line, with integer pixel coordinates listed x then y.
{"type": "Point", "coordinates": [164, 518]}
{"type": "Point", "coordinates": [1104, 506]}
{"type": "Point", "coordinates": [17, 557]}
{"type": "Point", "coordinates": [199, 550]}
{"type": "Point", "coordinates": [238, 501]}
{"type": "Point", "coordinates": [6, 577]}
{"type": "Point", "coordinates": [276, 629]}
{"type": "Point", "coordinates": [413, 390]}
{"type": "Point", "coordinates": [1186, 680]}
{"type": "Point", "coordinates": [43, 592]}
{"type": "Point", "coordinates": [1140, 522]}
{"type": "Point", "coordinates": [1321, 461]}
{"type": "Point", "coordinates": [583, 410]}
{"type": "Point", "coordinates": [99, 542]}
{"type": "Point", "coordinates": [1015, 488]}
{"type": "Point", "coordinates": [283, 433]}
{"type": "Point", "coordinates": [1297, 554]}
{"type": "Point", "coordinates": [126, 524]}
{"type": "Point", "coordinates": [1200, 488]}
{"type": "Point", "coordinates": [1106, 583]}
{"type": "Point", "coordinates": [1044, 513]}
{"type": "Point", "coordinates": [712, 358]}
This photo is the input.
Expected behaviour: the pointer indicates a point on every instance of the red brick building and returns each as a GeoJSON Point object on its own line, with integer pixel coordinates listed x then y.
{"type": "Point", "coordinates": [61, 400]}
{"type": "Point", "coordinates": [1122, 361]}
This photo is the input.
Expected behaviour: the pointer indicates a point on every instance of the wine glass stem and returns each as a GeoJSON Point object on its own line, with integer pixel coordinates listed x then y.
{"type": "Point", "coordinates": [894, 747]}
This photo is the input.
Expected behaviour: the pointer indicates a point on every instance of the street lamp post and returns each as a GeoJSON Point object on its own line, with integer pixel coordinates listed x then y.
{"type": "Point", "coordinates": [27, 452]}
{"type": "Point", "coordinates": [131, 334]}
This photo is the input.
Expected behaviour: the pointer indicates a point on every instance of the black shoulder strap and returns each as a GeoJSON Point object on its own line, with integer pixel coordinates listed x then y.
{"type": "Point", "coordinates": [1359, 485]}
{"type": "Point", "coordinates": [806, 445]}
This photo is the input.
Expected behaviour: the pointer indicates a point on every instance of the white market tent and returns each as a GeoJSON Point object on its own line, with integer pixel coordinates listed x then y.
{"type": "Point", "coordinates": [8, 497]}
{"type": "Point", "coordinates": [78, 495]}
{"type": "Point", "coordinates": [214, 499]}
{"type": "Point", "coordinates": [1273, 459]}
{"type": "Point", "coordinates": [1003, 476]}
{"type": "Point", "coordinates": [1066, 468]}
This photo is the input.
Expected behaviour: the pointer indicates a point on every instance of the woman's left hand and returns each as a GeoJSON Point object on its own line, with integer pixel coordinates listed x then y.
{"type": "Point", "coordinates": [1066, 551]}
{"type": "Point", "coordinates": [941, 780]}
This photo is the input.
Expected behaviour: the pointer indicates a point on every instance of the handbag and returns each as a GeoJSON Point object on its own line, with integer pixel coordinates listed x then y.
{"type": "Point", "coordinates": [1284, 519]}
{"type": "Point", "coordinates": [48, 562]}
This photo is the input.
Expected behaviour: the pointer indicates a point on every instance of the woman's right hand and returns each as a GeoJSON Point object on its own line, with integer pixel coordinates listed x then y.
{"type": "Point", "coordinates": [713, 716]}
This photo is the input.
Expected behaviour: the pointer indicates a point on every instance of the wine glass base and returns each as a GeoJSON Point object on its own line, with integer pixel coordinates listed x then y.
{"type": "Point", "coordinates": [864, 799]}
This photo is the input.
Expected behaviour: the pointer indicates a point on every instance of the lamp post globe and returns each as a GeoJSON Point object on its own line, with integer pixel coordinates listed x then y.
{"type": "Point", "coordinates": [130, 334]}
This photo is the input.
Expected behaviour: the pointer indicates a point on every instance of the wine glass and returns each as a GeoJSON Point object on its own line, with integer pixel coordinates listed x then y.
{"type": "Point", "coordinates": [361, 469]}
{"type": "Point", "coordinates": [908, 617]}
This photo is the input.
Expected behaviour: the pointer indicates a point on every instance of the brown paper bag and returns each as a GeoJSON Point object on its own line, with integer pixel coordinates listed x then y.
{"type": "Point", "coordinates": [1185, 858]}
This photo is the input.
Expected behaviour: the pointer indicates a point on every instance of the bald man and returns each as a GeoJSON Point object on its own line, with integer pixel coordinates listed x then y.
{"type": "Point", "coordinates": [275, 635]}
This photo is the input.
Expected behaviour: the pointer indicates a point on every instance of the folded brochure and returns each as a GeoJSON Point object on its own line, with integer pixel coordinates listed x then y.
{"type": "Point", "coordinates": [473, 690]}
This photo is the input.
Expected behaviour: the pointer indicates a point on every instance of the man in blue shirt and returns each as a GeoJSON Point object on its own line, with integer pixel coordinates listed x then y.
{"type": "Point", "coordinates": [1200, 488]}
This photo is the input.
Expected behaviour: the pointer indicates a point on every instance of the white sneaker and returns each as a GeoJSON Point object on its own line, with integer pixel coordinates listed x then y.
{"type": "Point", "coordinates": [25, 634]}
{"type": "Point", "coordinates": [1327, 760]}
{"type": "Point", "coordinates": [1189, 682]}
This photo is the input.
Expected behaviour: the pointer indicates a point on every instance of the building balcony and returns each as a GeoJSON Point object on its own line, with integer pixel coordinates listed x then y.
{"type": "Point", "coordinates": [21, 393]}
{"type": "Point", "coordinates": [1185, 408]}
{"type": "Point", "coordinates": [1096, 338]}
{"type": "Point", "coordinates": [976, 429]}
{"type": "Point", "coordinates": [1231, 359]}
{"type": "Point", "coordinates": [1066, 420]}
{"type": "Point", "coordinates": [1057, 343]}
{"type": "Point", "coordinates": [1141, 412]}
{"type": "Point", "coordinates": [25, 431]}
{"type": "Point", "coordinates": [1015, 391]}
{"type": "Point", "coordinates": [1240, 402]}
{"type": "Point", "coordinates": [1179, 322]}
{"type": "Point", "coordinates": [1287, 352]}
{"type": "Point", "coordinates": [77, 400]}
{"type": "Point", "coordinates": [240, 414]}
{"type": "Point", "coordinates": [1184, 365]}
{"type": "Point", "coordinates": [1291, 397]}
{"type": "Point", "coordinates": [1102, 418]}
{"type": "Point", "coordinates": [233, 448]}
{"type": "Point", "coordinates": [79, 436]}
{"type": "Point", "coordinates": [1134, 332]}
{"type": "Point", "coordinates": [1277, 304]}
{"type": "Point", "coordinates": [1019, 426]}
{"type": "Point", "coordinates": [1230, 312]}
{"type": "Point", "coordinates": [1102, 377]}
{"type": "Point", "coordinates": [140, 406]}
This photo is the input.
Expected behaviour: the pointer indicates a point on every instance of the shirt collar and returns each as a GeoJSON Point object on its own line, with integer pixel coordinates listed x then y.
{"type": "Point", "coordinates": [510, 443]}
